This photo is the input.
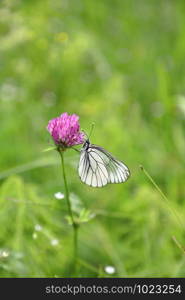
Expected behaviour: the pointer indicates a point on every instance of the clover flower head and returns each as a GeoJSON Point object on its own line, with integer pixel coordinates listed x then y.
{"type": "Point", "coordinates": [65, 130]}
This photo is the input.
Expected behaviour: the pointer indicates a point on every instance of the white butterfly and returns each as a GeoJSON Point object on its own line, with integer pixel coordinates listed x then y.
{"type": "Point", "coordinates": [97, 167]}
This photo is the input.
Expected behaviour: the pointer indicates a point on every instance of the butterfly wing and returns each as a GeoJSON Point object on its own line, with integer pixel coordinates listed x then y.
{"type": "Point", "coordinates": [97, 167]}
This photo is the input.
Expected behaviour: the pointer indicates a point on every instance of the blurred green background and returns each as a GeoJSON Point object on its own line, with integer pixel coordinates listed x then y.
{"type": "Point", "coordinates": [121, 65]}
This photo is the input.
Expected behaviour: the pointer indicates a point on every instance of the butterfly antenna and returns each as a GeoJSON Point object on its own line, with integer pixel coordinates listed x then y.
{"type": "Point", "coordinates": [85, 133]}
{"type": "Point", "coordinates": [92, 127]}
{"type": "Point", "coordinates": [89, 135]}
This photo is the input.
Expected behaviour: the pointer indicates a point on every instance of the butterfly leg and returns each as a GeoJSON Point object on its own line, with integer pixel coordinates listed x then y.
{"type": "Point", "coordinates": [76, 149]}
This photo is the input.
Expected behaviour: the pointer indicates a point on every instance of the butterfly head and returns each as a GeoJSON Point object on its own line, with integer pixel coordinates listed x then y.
{"type": "Point", "coordinates": [86, 144]}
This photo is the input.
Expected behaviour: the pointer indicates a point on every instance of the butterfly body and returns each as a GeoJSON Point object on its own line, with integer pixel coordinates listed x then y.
{"type": "Point", "coordinates": [97, 167]}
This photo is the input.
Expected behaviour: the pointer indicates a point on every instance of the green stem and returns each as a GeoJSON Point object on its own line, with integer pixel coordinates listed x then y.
{"type": "Point", "coordinates": [74, 224]}
{"type": "Point", "coordinates": [173, 211]}
{"type": "Point", "coordinates": [178, 244]}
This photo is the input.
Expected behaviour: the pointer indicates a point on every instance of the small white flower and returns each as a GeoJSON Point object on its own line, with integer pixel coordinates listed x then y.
{"type": "Point", "coordinates": [110, 270]}
{"type": "Point", "coordinates": [4, 254]}
{"type": "Point", "coordinates": [38, 227]}
{"type": "Point", "coordinates": [54, 242]}
{"type": "Point", "coordinates": [34, 235]}
{"type": "Point", "coordinates": [59, 195]}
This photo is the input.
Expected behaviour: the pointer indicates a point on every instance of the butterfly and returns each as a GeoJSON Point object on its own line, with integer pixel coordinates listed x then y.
{"type": "Point", "coordinates": [97, 167]}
